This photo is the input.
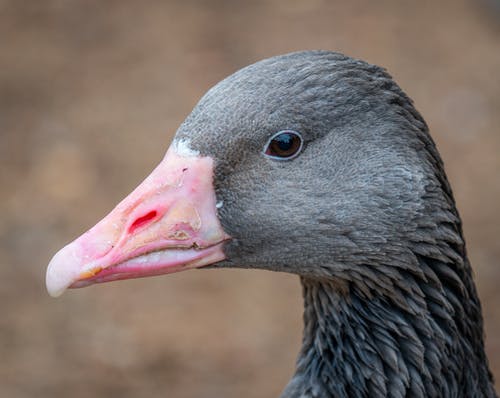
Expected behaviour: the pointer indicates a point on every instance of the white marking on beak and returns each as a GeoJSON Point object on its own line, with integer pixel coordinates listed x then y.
{"type": "Point", "coordinates": [182, 148]}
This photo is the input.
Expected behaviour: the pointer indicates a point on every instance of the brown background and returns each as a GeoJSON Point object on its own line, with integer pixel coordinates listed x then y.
{"type": "Point", "coordinates": [90, 95]}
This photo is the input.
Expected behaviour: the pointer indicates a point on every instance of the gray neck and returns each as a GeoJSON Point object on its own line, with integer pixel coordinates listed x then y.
{"type": "Point", "coordinates": [358, 343]}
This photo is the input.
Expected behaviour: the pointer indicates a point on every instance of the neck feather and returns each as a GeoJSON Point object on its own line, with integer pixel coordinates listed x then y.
{"type": "Point", "coordinates": [420, 338]}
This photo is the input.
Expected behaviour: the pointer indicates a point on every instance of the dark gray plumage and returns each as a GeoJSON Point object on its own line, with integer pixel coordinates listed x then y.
{"type": "Point", "coordinates": [364, 215]}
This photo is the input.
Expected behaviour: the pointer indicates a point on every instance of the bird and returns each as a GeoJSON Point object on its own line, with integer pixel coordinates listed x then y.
{"type": "Point", "coordinates": [316, 164]}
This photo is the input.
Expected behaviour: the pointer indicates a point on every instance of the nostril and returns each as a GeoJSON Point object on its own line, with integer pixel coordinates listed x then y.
{"type": "Point", "coordinates": [141, 221]}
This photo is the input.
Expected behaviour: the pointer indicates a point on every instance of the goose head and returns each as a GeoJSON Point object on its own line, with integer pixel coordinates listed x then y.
{"type": "Point", "coordinates": [349, 191]}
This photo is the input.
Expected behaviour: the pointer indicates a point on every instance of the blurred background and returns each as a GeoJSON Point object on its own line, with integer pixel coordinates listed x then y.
{"type": "Point", "coordinates": [91, 92]}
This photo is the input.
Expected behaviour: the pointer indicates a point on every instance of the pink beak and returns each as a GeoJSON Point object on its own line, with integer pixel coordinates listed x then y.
{"type": "Point", "coordinates": [167, 224]}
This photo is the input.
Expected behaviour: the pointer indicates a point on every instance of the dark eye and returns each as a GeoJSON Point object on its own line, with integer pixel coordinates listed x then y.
{"type": "Point", "coordinates": [284, 145]}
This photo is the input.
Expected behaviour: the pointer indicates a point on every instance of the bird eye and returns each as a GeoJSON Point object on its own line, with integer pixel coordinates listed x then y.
{"type": "Point", "coordinates": [284, 145]}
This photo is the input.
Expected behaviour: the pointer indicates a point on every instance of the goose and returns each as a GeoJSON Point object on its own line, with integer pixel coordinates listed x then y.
{"type": "Point", "coordinates": [315, 164]}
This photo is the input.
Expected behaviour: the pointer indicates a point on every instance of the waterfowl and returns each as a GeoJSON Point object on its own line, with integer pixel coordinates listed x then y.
{"type": "Point", "coordinates": [316, 164]}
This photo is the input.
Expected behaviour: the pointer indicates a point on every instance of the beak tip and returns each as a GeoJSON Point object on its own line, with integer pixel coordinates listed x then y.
{"type": "Point", "coordinates": [60, 275]}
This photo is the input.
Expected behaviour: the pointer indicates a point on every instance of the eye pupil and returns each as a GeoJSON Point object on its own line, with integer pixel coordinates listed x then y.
{"type": "Point", "coordinates": [284, 145]}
